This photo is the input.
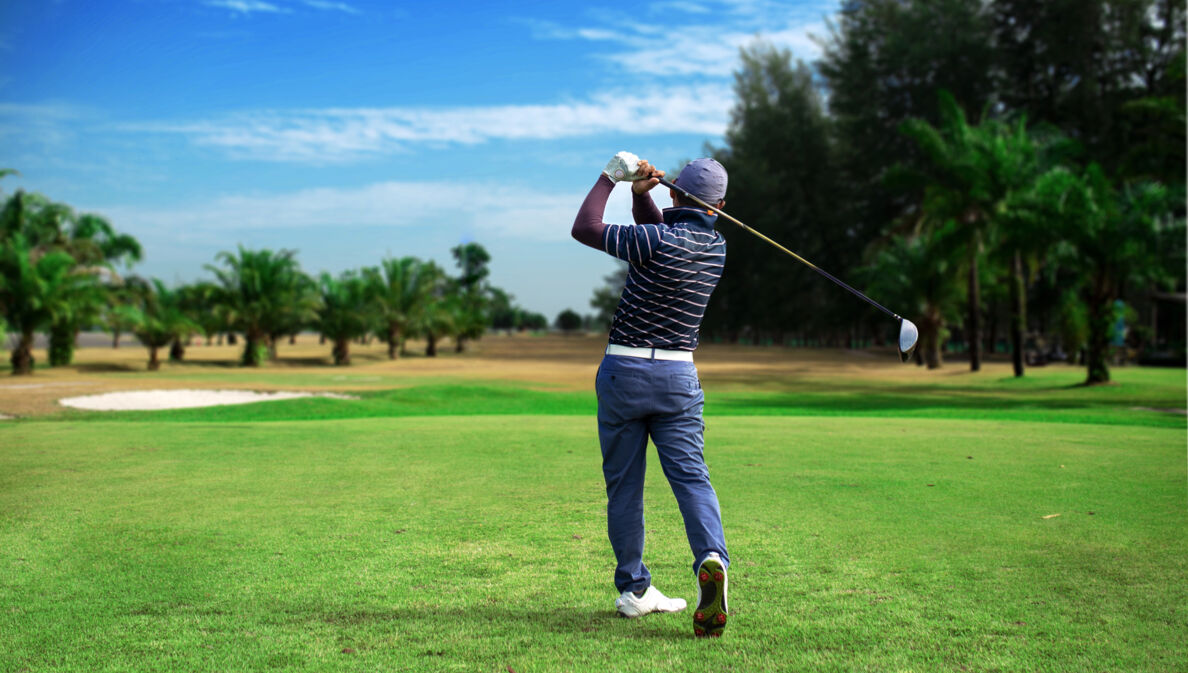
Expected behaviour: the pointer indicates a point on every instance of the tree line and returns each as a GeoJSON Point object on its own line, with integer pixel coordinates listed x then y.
{"type": "Point", "coordinates": [987, 168]}
{"type": "Point", "coordinates": [58, 276]}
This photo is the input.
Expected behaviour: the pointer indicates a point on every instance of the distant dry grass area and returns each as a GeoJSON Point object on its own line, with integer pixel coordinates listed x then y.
{"type": "Point", "coordinates": [555, 362]}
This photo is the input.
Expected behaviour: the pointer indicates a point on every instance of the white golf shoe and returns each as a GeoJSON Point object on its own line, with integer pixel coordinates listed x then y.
{"type": "Point", "coordinates": [629, 605]}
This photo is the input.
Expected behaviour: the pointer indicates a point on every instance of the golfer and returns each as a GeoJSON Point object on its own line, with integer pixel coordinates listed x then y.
{"type": "Point", "coordinates": [647, 384]}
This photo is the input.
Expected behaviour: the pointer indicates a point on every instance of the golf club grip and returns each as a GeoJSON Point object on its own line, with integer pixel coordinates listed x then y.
{"type": "Point", "coordinates": [804, 261]}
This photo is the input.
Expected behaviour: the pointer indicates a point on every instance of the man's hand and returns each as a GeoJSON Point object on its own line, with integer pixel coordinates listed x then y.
{"type": "Point", "coordinates": [623, 166]}
{"type": "Point", "coordinates": [648, 177]}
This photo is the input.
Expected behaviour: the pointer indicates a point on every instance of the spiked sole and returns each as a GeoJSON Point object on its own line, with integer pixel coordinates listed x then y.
{"type": "Point", "coordinates": [709, 619]}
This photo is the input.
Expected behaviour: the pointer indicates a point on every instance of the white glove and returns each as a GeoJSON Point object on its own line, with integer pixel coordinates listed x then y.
{"type": "Point", "coordinates": [623, 166]}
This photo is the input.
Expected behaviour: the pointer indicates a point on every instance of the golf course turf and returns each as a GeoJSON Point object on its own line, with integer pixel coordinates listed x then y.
{"type": "Point", "coordinates": [891, 521]}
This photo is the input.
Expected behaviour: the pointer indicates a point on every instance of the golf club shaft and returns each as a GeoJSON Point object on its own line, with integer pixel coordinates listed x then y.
{"type": "Point", "coordinates": [802, 260]}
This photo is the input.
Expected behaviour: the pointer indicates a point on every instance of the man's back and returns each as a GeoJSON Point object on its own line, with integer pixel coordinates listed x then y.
{"type": "Point", "coordinates": [674, 269]}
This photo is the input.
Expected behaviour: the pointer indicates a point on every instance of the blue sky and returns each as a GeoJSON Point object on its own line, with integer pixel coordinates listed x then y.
{"type": "Point", "coordinates": [353, 130]}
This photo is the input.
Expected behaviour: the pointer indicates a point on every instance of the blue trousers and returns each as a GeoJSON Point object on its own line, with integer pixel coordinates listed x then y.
{"type": "Point", "coordinates": [640, 398]}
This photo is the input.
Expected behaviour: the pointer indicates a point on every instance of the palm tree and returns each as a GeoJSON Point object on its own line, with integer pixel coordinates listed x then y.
{"type": "Point", "coordinates": [470, 318]}
{"type": "Point", "coordinates": [983, 177]}
{"type": "Point", "coordinates": [298, 309]}
{"type": "Point", "coordinates": [399, 288]}
{"type": "Point", "coordinates": [97, 248]}
{"type": "Point", "coordinates": [202, 302]}
{"type": "Point", "coordinates": [121, 294]}
{"type": "Point", "coordinates": [89, 239]}
{"type": "Point", "coordinates": [1115, 237]}
{"type": "Point", "coordinates": [161, 319]}
{"type": "Point", "coordinates": [917, 272]}
{"type": "Point", "coordinates": [470, 312]}
{"type": "Point", "coordinates": [959, 188]}
{"type": "Point", "coordinates": [434, 318]}
{"type": "Point", "coordinates": [343, 312]}
{"type": "Point", "coordinates": [35, 290]}
{"type": "Point", "coordinates": [255, 288]}
{"type": "Point", "coordinates": [40, 220]}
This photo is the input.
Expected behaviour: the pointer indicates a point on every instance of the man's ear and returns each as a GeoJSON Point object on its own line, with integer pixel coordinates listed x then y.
{"type": "Point", "coordinates": [721, 204]}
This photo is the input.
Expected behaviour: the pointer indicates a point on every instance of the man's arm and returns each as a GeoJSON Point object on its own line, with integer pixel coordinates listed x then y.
{"type": "Point", "coordinates": [588, 226]}
{"type": "Point", "coordinates": [644, 209]}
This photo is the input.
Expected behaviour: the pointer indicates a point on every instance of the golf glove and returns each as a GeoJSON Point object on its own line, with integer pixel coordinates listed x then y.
{"type": "Point", "coordinates": [622, 166]}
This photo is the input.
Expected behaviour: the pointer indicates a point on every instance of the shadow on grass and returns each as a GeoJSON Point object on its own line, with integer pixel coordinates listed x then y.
{"type": "Point", "coordinates": [497, 619]}
{"type": "Point", "coordinates": [108, 367]}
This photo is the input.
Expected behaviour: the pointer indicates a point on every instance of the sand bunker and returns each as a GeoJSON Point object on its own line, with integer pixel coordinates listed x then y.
{"type": "Point", "coordinates": [144, 400]}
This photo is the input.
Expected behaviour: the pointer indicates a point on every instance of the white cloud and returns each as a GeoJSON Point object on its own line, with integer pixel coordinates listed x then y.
{"type": "Point", "coordinates": [45, 125]}
{"type": "Point", "coordinates": [345, 134]}
{"type": "Point", "coordinates": [698, 39]}
{"type": "Point", "coordinates": [496, 210]}
{"type": "Point", "coordinates": [246, 6]}
{"type": "Point", "coordinates": [679, 6]}
{"type": "Point", "coordinates": [260, 6]}
{"type": "Point", "coordinates": [335, 6]}
{"type": "Point", "coordinates": [525, 228]}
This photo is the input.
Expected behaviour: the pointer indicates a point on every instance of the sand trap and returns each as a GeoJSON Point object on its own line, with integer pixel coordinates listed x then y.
{"type": "Point", "coordinates": [6, 418]}
{"type": "Point", "coordinates": [144, 400]}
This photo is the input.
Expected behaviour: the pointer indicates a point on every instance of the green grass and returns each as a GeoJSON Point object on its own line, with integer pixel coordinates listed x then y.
{"type": "Point", "coordinates": [871, 530]}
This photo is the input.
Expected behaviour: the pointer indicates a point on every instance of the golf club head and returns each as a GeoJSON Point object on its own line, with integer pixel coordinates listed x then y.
{"type": "Point", "coordinates": [908, 336]}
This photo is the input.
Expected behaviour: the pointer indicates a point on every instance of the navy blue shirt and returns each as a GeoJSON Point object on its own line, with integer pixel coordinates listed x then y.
{"type": "Point", "coordinates": [674, 267]}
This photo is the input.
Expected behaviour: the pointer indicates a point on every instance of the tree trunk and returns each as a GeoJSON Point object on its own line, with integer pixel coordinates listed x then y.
{"type": "Point", "coordinates": [1018, 312]}
{"type": "Point", "coordinates": [154, 362]}
{"type": "Point", "coordinates": [61, 344]}
{"type": "Point", "coordinates": [1100, 323]}
{"type": "Point", "coordinates": [177, 351]}
{"type": "Point", "coordinates": [321, 339]}
{"type": "Point", "coordinates": [990, 334]}
{"type": "Point", "coordinates": [271, 340]}
{"type": "Point", "coordinates": [292, 339]}
{"type": "Point", "coordinates": [931, 344]}
{"type": "Point", "coordinates": [459, 344]}
{"type": "Point", "coordinates": [232, 338]}
{"type": "Point", "coordinates": [342, 351]}
{"type": "Point", "coordinates": [393, 340]}
{"type": "Point", "coordinates": [975, 319]}
{"type": "Point", "coordinates": [255, 348]}
{"type": "Point", "coordinates": [115, 339]}
{"type": "Point", "coordinates": [431, 345]}
{"type": "Point", "coordinates": [22, 355]}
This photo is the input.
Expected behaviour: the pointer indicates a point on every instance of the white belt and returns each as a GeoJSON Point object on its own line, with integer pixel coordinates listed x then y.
{"type": "Point", "coordinates": [649, 353]}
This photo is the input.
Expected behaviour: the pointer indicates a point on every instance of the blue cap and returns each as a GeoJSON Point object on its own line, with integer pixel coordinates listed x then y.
{"type": "Point", "coordinates": [705, 179]}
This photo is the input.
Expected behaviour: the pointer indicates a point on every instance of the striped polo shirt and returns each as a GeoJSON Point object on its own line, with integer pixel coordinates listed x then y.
{"type": "Point", "coordinates": [674, 268]}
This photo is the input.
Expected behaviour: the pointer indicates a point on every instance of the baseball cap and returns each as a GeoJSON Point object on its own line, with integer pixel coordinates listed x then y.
{"type": "Point", "coordinates": [705, 179]}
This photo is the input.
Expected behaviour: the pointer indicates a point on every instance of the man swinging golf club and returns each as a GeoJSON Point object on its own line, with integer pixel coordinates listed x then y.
{"type": "Point", "coordinates": [647, 384]}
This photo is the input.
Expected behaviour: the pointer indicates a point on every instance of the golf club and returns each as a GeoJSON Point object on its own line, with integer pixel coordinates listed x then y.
{"type": "Point", "coordinates": [908, 334]}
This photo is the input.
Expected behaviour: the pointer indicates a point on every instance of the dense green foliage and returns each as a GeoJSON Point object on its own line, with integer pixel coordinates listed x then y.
{"type": "Point", "coordinates": [342, 312]}
{"type": "Point", "coordinates": [36, 289]}
{"type": "Point", "coordinates": [1024, 89]}
{"type": "Point", "coordinates": [84, 248]}
{"type": "Point", "coordinates": [159, 319]}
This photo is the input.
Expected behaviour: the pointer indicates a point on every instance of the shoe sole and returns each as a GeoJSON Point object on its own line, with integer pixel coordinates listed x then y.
{"type": "Point", "coordinates": [709, 619]}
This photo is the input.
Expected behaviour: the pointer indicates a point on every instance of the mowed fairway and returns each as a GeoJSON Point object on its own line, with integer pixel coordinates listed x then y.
{"type": "Point", "coordinates": [880, 518]}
